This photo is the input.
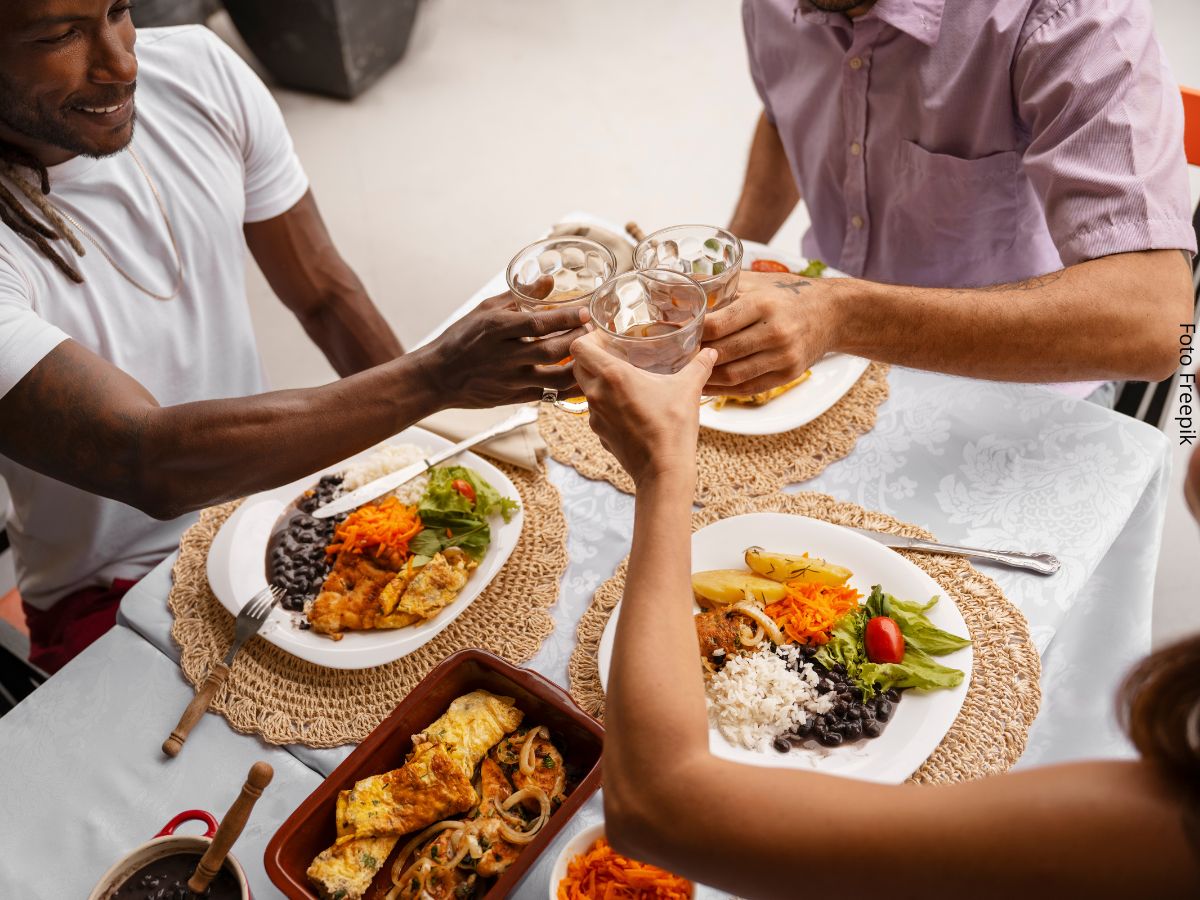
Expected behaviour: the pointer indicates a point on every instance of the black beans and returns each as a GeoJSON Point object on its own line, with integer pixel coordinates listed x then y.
{"type": "Point", "coordinates": [782, 745]}
{"type": "Point", "coordinates": [849, 717]}
{"type": "Point", "coordinates": [297, 562]}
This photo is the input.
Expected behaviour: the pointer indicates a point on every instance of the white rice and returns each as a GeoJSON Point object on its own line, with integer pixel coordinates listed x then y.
{"type": "Point", "coordinates": [755, 697]}
{"type": "Point", "coordinates": [387, 459]}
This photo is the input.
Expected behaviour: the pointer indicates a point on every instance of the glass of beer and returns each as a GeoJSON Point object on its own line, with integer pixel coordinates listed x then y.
{"type": "Point", "coordinates": [559, 273]}
{"type": "Point", "coordinates": [653, 318]}
{"type": "Point", "coordinates": [710, 255]}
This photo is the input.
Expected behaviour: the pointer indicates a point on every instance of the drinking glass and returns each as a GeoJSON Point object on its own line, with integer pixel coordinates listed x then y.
{"type": "Point", "coordinates": [710, 255]}
{"type": "Point", "coordinates": [559, 273]}
{"type": "Point", "coordinates": [652, 319]}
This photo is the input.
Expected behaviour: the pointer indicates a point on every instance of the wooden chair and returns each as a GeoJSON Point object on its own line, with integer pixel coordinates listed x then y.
{"type": "Point", "coordinates": [1141, 399]}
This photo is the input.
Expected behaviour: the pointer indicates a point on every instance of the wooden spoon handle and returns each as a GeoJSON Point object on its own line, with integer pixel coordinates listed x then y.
{"type": "Point", "coordinates": [230, 828]}
{"type": "Point", "coordinates": [635, 232]}
{"type": "Point", "coordinates": [196, 709]}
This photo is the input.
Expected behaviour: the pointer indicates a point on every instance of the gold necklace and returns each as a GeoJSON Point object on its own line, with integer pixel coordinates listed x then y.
{"type": "Point", "coordinates": [170, 233]}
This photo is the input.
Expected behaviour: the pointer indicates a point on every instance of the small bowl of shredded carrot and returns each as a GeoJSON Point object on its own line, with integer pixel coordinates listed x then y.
{"type": "Point", "coordinates": [589, 869]}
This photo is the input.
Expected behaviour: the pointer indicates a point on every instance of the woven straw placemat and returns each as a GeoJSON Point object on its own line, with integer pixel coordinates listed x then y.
{"type": "Point", "coordinates": [727, 463]}
{"type": "Point", "coordinates": [289, 701]}
{"type": "Point", "coordinates": [1002, 699]}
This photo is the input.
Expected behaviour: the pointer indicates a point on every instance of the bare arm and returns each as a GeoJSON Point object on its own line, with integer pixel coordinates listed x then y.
{"type": "Point", "coordinates": [78, 418]}
{"type": "Point", "coordinates": [758, 832]}
{"type": "Point", "coordinates": [304, 268]}
{"type": "Point", "coordinates": [1117, 317]}
{"type": "Point", "coordinates": [769, 192]}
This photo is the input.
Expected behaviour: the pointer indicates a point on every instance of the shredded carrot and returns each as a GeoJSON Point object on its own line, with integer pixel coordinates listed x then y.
{"type": "Point", "coordinates": [809, 611]}
{"type": "Point", "coordinates": [603, 874]}
{"type": "Point", "coordinates": [378, 528]}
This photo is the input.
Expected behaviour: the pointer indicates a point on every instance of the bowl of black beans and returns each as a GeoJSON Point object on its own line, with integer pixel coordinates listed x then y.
{"type": "Point", "coordinates": [296, 558]}
{"type": "Point", "coordinates": [851, 719]}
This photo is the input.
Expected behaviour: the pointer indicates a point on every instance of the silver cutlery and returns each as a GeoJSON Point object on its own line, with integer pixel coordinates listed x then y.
{"type": "Point", "coordinates": [249, 621]}
{"type": "Point", "coordinates": [1042, 563]}
{"type": "Point", "coordinates": [526, 415]}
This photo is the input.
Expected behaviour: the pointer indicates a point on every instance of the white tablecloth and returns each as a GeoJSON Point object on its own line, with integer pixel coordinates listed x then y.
{"type": "Point", "coordinates": [1012, 466]}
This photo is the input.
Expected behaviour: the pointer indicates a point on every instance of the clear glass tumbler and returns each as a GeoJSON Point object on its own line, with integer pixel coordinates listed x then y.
{"type": "Point", "coordinates": [559, 273]}
{"type": "Point", "coordinates": [652, 319]}
{"type": "Point", "coordinates": [711, 255]}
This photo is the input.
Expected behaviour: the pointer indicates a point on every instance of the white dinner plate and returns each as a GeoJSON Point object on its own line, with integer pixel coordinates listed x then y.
{"type": "Point", "coordinates": [921, 718]}
{"type": "Point", "coordinates": [237, 568]}
{"type": "Point", "coordinates": [831, 378]}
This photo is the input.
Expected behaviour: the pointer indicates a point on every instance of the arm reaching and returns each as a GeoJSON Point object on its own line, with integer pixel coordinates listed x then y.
{"type": "Point", "coordinates": [78, 418]}
{"type": "Point", "coordinates": [766, 832]}
{"type": "Point", "coordinates": [1117, 317]}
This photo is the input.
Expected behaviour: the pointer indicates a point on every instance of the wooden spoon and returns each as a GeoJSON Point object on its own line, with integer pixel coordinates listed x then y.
{"type": "Point", "coordinates": [230, 828]}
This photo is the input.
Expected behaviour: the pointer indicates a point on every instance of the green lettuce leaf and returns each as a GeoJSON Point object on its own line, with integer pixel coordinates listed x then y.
{"type": "Point", "coordinates": [451, 520]}
{"type": "Point", "coordinates": [814, 269]}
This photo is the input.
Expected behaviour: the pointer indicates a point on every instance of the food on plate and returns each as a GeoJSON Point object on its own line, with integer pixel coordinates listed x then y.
{"type": "Point", "coordinates": [762, 397]}
{"type": "Point", "coordinates": [814, 269]}
{"type": "Point", "coordinates": [733, 585]}
{"type": "Point", "coordinates": [600, 873]}
{"type": "Point", "coordinates": [787, 567]}
{"type": "Point", "coordinates": [474, 790]}
{"type": "Point", "coordinates": [391, 563]}
{"type": "Point", "coordinates": [812, 664]}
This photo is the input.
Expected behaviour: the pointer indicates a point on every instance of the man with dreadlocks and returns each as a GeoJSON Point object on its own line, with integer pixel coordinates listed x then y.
{"type": "Point", "coordinates": [131, 391]}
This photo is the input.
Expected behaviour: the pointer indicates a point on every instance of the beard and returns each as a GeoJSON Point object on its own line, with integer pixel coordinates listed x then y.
{"type": "Point", "coordinates": [839, 6]}
{"type": "Point", "coordinates": [51, 125]}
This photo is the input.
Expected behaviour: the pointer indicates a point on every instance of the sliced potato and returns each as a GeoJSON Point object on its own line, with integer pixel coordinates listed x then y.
{"type": "Point", "coordinates": [785, 567]}
{"type": "Point", "coordinates": [721, 586]}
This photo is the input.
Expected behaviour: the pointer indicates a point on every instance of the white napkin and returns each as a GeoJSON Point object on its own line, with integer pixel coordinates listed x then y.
{"type": "Point", "coordinates": [523, 447]}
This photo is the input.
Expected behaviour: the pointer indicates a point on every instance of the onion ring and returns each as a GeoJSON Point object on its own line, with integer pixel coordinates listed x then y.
{"type": "Point", "coordinates": [752, 611]}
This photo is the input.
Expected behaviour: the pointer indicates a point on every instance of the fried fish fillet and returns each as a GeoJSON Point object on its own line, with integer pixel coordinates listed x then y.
{"type": "Point", "coordinates": [429, 787]}
{"type": "Point", "coordinates": [349, 598]}
{"type": "Point", "coordinates": [346, 870]}
{"type": "Point", "coordinates": [762, 397]}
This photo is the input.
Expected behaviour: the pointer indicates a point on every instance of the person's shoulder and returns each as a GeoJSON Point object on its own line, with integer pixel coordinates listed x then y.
{"type": "Point", "coordinates": [1047, 19]}
{"type": "Point", "coordinates": [187, 51]}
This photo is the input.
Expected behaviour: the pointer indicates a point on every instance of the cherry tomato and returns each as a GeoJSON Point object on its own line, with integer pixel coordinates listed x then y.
{"type": "Point", "coordinates": [768, 265]}
{"type": "Point", "coordinates": [885, 642]}
{"type": "Point", "coordinates": [464, 488]}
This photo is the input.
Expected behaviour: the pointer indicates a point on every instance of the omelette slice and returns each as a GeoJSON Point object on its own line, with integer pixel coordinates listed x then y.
{"type": "Point", "coordinates": [408, 599]}
{"type": "Point", "coordinates": [471, 726]}
{"type": "Point", "coordinates": [346, 870]}
{"type": "Point", "coordinates": [429, 787]}
{"type": "Point", "coordinates": [763, 397]}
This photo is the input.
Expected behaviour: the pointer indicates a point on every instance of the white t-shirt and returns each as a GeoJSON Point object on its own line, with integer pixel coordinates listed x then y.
{"type": "Point", "coordinates": [214, 142]}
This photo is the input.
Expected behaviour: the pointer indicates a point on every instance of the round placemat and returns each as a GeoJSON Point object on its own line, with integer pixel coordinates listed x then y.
{"type": "Point", "coordinates": [745, 464]}
{"type": "Point", "coordinates": [1002, 699]}
{"type": "Point", "coordinates": [289, 701]}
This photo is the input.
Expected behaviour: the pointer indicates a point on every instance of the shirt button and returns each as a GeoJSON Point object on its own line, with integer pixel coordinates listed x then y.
{"type": "Point", "coordinates": [856, 149]}
{"type": "Point", "coordinates": [857, 221]}
{"type": "Point", "coordinates": [856, 63]}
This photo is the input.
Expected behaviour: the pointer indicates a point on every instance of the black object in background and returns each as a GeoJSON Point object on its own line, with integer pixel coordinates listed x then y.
{"type": "Point", "coordinates": [334, 47]}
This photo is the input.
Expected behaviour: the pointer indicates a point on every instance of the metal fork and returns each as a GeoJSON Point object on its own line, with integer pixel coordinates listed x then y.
{"type": "Point", "coordinates": [249, 621]}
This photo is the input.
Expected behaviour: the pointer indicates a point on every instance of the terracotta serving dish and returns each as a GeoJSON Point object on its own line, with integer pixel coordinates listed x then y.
{"type": "Point", "coordinates": [310, 829]}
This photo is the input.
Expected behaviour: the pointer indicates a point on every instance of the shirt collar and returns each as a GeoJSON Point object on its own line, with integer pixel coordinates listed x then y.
{"type": "Point", "coordinates": [919, 19]}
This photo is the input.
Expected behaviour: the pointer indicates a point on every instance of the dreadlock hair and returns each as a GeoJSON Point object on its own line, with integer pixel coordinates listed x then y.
{"type": "Point", "coordinates": [16, 216]}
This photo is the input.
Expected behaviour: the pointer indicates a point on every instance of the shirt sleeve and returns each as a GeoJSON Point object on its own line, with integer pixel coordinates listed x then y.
{"type": "Point", "coordinates": [755, 69]}
{"type": "Point", "coordinates": [274, 179]}
{"type": "Point", "coordinates": [25, 337]}
{"type": "Point", "coordinates": [1105, 120]}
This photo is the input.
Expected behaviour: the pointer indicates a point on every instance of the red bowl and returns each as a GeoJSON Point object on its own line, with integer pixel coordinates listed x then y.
{"type": "Point", "coordinates": [310, 829]}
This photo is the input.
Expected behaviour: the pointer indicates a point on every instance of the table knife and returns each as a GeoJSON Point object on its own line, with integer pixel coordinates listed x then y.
{"type": "Point", "coordinates": [1042, 563]}
{"type": "Point", "coordinates": [526, 415]}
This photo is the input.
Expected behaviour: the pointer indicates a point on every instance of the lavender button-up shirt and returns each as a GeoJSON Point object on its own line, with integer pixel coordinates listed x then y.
{"type": "Point", "coordinates": [972, 142]}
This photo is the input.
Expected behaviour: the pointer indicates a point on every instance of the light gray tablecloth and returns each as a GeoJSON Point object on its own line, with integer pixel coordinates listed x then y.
{"type": "Point", "coordinates": [84, 780]}
{"type": "Point", "coordinates": [1009, 466]}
